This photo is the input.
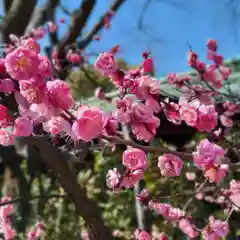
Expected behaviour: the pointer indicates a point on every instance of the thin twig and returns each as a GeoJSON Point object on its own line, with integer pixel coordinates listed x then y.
{"type": "Point", "coordinates": [199, 189]}
{"type": "Point", "coordinates": [18, 199]}
{"type": "Point", "coordinates": [159, 150]}
{"type": "Point", "coordinates": [229, 215]}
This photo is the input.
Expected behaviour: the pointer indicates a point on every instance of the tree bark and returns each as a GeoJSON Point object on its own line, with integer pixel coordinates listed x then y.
{"type": "Point", "coordinates": [17, 18]}
{"type": "Point", "coordinates": [85, 207]}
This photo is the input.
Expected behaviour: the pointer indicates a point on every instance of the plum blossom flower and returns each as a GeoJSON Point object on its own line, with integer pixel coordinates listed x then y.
{"type": "Point", "coordinates": [123, 111]}
{"type": "Point", "coordinates": [191, 176]}
{"type": "Point", "coordinates": [142, 235]}
{"type": "Point", "coordinates": [160, 208]}
{"type": "Point", "coordinates": [105, 63]}
{"type": "Point", "coordinates": [216, 174]}
{"type": "Point", "coordinates": [131, 178]}
{"type": "Point", "coordinates": [167, 211]}
{"type": "Point", "coordinates": [212, 45]}
{"type": "Point", "coordinates": [52, 27]}
{"type": "Point", "coordinates": [216, 229]}
{"type": "Point", "coordinates": [207, 118]}
{"type": "Point", "coordinates": [162, 236]}
{"type": "Point", "coordinates": [57, 125]}
{"type": "Point", "coordinates": [170, 165]}
{"type": "Point", "coordinates": [234, 193]}
{"type": "Point", "coordinates": [32, 90]}
{"type": "Point", "coordinates": [74, 57]}
{"type": "Point", "coordinates": [226, 121]}
{"type": "Point", "coordinates": [171, 111]}
{"type": "Point", "coordinates": [188, 228]}
{"type": "Point", "coordinates": [39, 33]}
{"type": "Point", "coordinates": [113, 178]}
{"type": "Point", "coordinates": [153, 104]}
{"type": "Point", "coordinates": [45, 66]}
{"type": "Point", "coordinates": [134, 158]}
{"type": "Point", "coordinates": [22, 63]}
{"type": "Point", "coordinates": [23, 127]}
{"type": "Point", "coordinates": [189, 115]}
{"type": "Point", "coordinates": [99, 93]}
{"type": "Point", "coordinates": [5, 117]}
{"type": "Point", "coordinates": [175, 214]}
{"type": "Point", "coordinates": [207, 154]}
{"type": "Point", "coordinates": [143, 123]}
{"type": "Point", "coordinates": [60, 95]}
{"type": "Point", "coordinates": [31, 44]}
{"type": "Point", "coordinates": [7, 85]}
{"type": "Point", "coordinates": [148, 65]}
{"type": "Point", "coordinates": [89, 123]}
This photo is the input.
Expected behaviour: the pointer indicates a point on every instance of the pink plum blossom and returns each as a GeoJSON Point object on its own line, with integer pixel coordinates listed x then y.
{"type": "Point", "coordinates": [191, 176]}
{"type": "Point", "coordinates": [215, 230]}
{"type": "Point", "coordinates": [189, 115]}
{"type": "Point", "coordinates": [105, 63]}
{"type": "Point", "coordinates": [45, 66]}
{"type": "Point", "coordinates": [162, 236]}
{"type": "Point", "coordinates": [142, 235]}
{"type": "Point", "coordinates": [22, 63]}
{"type": "Point", "coordinates": [132, 178]}
{"type": "Point", "coordinates": [113, 177]}
{"type": "Point", "coordinates": [134, 158]}
{"type": "Point", "coordinates": [207, 154]}
{"type": "Point", "coordinates": [170, 165]}
{"type": "Point", "coordinates": [60, 94]}
{"type": "Point", "coordinates": [188, 228]}
{"type": "Point", "coordinates": [31, 44]}
{"type": "Point", "coordinates": [23, 127]}
{"type": "Point", "coordinates": [216, 174]}
{"type": "Point", "coordinates": [89, 123]}
{"type": "Point", "coordinates": [33, 91]}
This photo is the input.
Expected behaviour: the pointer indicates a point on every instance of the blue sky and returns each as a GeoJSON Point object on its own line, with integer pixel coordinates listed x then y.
{"type": "Point", "coordinates": [168, 27]}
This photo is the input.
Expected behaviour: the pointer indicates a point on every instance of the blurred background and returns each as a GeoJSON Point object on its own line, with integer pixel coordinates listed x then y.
{"type": "Point", "coordinates": [166, 29]}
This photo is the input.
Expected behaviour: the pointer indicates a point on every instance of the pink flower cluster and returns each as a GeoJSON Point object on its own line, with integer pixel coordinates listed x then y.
{"type": "Point", "coordinates": [208, 157]}
{"type": "Point", "coordinates": [170, 165]}
{"type": "Point", "coordinates": [5, 222]}
{"type": "Point", "coordinates": [135, 161]}
{"type": "Point", "coordinates": [215, 230]}
{"type": "Point", "coordinates": [142, 235]}
{"type": "Point", "coordinates": [36, 232]}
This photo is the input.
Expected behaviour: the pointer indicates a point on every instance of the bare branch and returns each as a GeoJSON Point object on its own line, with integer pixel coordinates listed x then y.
{"type": "Point", "coordinates": [7, 5]}
{"type": "Point", "coordinates": [42, 14]}
{"type": "Point", "coordinates": [17, 18]}
{"type": "Point", "coordinates": [85, 207]}
{"type": "Point", "coordinates": [114, 7]}
{"type": "Point", "coordinates": [78, 22]}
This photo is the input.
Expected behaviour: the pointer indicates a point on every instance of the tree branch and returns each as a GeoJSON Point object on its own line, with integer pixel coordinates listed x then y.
{"type": "Point", "coordinates": [159, 150]}
{"type": "Point", "coordinates": [42, 14]}
{"type": "Point", "coordinates": [84, 206]}
{"type": "Point", "coordinates": [78, 22]}
{"type": "Point", "coordinates": [87, 40]}
{"type": "Point", "coordinates": [17, 18]}
{"type": "Point", "coordinates": [7, 5]}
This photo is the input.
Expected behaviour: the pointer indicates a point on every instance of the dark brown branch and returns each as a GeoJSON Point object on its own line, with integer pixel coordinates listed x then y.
{"type": "Point", "coordinates": [159, 150]}
{"type": "Point", "coordinates": [78, 22]}
{"type": "Point", "coordinates": [42, 14]}
{"type": "Point", "coordinates": [7, 5]}
{"type": "Point", "coordinates": [17, 18]}
{"type": "Point", "coordinates": [87, 40]}
{"type": "Point", "coordinates": [85, 207]}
